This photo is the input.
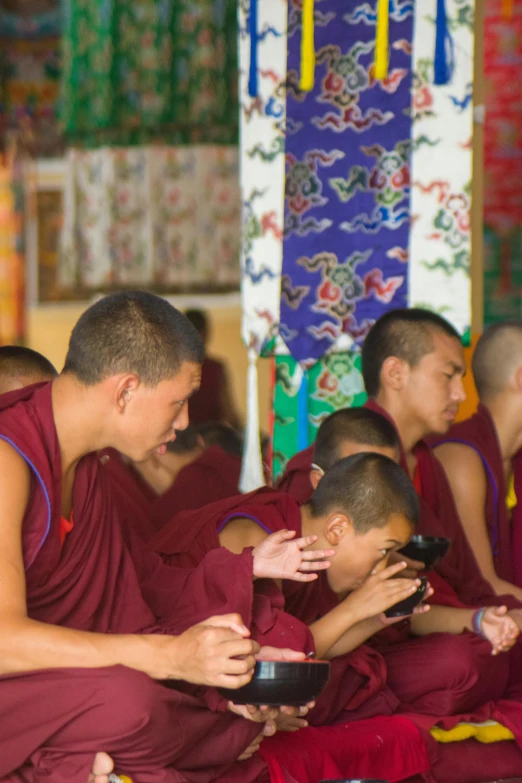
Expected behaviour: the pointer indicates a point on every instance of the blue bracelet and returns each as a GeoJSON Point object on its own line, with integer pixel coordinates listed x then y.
{"type": "Point", "coordinates": [476, 622]}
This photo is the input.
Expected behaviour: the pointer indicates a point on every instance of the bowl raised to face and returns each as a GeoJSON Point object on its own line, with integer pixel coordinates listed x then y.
{"type": "Point", "coordinates": [406, 607]}
{"type": "Point", "coordinates": [427, 549]}
{"type": "Point", "coordinates": [278, 683]}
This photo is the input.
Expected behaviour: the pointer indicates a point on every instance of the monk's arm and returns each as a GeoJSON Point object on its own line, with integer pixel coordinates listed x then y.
{"type": "Point", "coordinates": [331, 637]}
{"type": "Point", "coordinates": [442, 619]}
{"type": "Point", "coordinates": [26, 644]}
{"type": "Point", "coordinates": [467, 479]}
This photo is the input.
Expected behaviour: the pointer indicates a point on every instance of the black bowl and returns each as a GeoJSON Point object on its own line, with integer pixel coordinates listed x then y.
{"type": "Point", "coordinates": [277, 683]}
{"type": "Point", "coordinates": [355, 780]}
{"type": "Point", "coordinates": [427, 549]}
{"type": "Point", "coordinates": [406, 607]}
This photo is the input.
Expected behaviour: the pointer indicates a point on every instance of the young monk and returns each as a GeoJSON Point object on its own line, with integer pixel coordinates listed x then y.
{"type": "Point", "coordinates": [482, 461]}
{"type": "Point", "coordinates": [21, 367]}
{"type": "Point", "coordinates": [343, 433]}
{"type": "Point", "coordinates": [78, 590]}
{"type": "Point", "coordinates": [345, 510]}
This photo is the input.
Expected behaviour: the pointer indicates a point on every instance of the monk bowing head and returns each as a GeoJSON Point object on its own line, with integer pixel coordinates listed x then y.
{"type": "Point", "coordinates": [365, 507]}
{"type": "Point", "coordinates": [413, 365]}
{"type": "Point", "coordinates": [134, 360]}
{"type": "Point", "coordinates": [20, 366]}
{"type": "Point", "coordinates": [351, 431]}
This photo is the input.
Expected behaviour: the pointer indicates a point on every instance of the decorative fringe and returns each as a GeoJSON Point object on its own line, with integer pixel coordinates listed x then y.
{"type": "Point", "coordinates": [252, 470]}
{"type": "Point", "coordinates": [444, 51]}
{"type": "Point", "coordinates": [306, 82]}
{"type": "Point", "coordinates": [382, 39]}
{"type": "Point", "coordinates": [302, 413]}
{"type": "Point", "coordinates": [252, 28]}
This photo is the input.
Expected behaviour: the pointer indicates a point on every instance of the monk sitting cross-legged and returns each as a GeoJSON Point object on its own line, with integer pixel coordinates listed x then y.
{"type": "Point", "coordinates": [91, 622]}
{"type": "Point", "coordinates": [482, 459]}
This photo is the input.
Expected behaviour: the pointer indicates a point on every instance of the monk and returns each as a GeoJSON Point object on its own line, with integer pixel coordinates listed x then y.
{"type": "Point", "coordinates": [482, 461]}
{"type": "Point", "coordinates": [213, 400]}
{"type": "Point", "coordinates": [20, 366]}
{"type": "Point", "coordinates": [343, 433]}
{"type": "Point", "coordinates": [447, 690]}
{"type": "Point", "coordinates": [90, 621]}
{"type": "Point", "coordinates": [413, 365]}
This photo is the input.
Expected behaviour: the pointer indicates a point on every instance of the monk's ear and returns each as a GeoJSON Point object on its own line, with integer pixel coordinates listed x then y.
{"type": "Point", "coordinates": [315, 475]}
{"type": "Point", "coordinates": [394, 373]}
{"type": "Point", "coordinates": [126, 386]}
{"type": "Point", "coordinates": [337, 527]}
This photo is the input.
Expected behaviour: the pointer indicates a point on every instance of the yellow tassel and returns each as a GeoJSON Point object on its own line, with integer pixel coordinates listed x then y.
{"type": "Point", "coordinates": [381, 40]}
{"type": "Point", "coordinates": [507, 9]}
{"type": "Point", "coordinates": [306, 83]}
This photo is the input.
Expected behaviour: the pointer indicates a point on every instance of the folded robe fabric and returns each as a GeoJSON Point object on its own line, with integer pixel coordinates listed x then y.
{"type": "Point", "coordinates": [296, 478]}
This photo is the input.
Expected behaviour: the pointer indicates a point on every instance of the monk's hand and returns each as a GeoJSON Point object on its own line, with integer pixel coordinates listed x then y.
{"type": "Point", "coordinates": [253, 747]}
{"type": "Point", "coordinates": [499, 629]}
{"type": "Point", "coordinates": [293, 721]}
{"type": "Point", "coordinates": [381, 591]}
{"type": "Point", "coordinates": [281, 556]}
{"type": "Point", "coordinates": [216, 652]}
{"type": "Point", "coordinates": [412, 566]}
{"type": "Point", "coordinates": [516, 615]}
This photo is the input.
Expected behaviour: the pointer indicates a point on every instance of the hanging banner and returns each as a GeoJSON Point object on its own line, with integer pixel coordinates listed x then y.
{"type": "Point", "coordinates": [440, 240]}
{"type": "Point", "coordinates": [345, 248]}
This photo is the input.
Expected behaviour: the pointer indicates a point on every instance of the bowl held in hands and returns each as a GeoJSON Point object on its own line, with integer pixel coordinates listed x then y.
{"type": "Point", "coordinates": [406, 607]}
{"type": "Point", "coordinates": [278, 683]}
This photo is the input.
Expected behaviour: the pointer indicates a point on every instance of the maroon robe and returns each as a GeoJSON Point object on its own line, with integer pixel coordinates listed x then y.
{"type": "Point", "coordinates": [214, 475]}
{"type": "Point", "coordinates": [295, 481]}
{"type": "Point", "coordinates": [479, 433]}
{"type": "Point", "coordinates": [103, 580]}
{"type": "Point", "coordinates": [205, 404]}
{"type": "Point", "coordinates": [132, 494]}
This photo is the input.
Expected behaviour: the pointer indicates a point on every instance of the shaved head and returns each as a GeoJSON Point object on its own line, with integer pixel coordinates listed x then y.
{"type": "Point", "coordinates": [354, 427]}
{"type": "Point", "coordinates": [404, 333]}
{"type": "Point", "coordinates": [21, 367]}
{"type": "Point", "coordinates": [497, 355]}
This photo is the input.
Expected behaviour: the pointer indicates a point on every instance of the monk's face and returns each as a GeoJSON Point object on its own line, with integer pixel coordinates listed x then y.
{"type": "Point", "coordinates": [152, 414]}
{"type": "Point", "coordinates": [347, 448]}
{"type": "Point", "coordinates": [360, 554]}
{"type": "Point", "coordinates": [433, 390]}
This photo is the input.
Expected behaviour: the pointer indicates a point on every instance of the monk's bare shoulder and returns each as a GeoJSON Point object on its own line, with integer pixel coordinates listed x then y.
{"type": "Point", "coordinates": [240, 533]}
{"type": "Point", "coordinates": [467, 478]}
{"type": "Point", "coordinates": [15, 483]}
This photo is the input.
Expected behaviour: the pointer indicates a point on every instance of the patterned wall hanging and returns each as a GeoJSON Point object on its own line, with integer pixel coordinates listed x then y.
{"type": "Point", "coordinates": [262, 52]}
{"type": "Point", "coordinates": [136, 216]}
{"type": "Point", "coordinates": [347, 176]}
{"type": "Point", "coordinates": [12, 304]}
{"type": "Point", "coordinates": [502, 162]}
{"type": "Point", "coordinates": [440, 240]}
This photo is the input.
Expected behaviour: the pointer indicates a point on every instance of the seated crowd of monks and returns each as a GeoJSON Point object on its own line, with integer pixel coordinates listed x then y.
{"type": "Point", "coordinates": [136, 580]}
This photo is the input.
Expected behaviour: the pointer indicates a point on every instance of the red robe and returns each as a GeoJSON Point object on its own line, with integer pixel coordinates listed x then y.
{"type": "Point", "coordinates": [104, 580]}
{"type": "Point", "coordinates": [439, 693]}
{"type": "Point", "coordinates": [205, 404]}
{"type": "Point", "coordinates": [132, 494]}
{"type": "Point", "coordinates": [480, 434]}
{"type": "Point", "coordinates": [295, 481]}
{"type": "Point", "coordinates": [214, 475]}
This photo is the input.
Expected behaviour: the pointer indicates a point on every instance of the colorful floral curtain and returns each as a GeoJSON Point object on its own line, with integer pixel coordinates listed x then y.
{"type": "Point", "coordinates": [162, 70]}
{"type": "Point", "coordinates": [151, 215]}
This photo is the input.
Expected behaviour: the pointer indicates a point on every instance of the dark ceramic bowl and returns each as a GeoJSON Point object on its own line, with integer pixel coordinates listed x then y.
{"type": "Point", "coordinates": [406, 607]}
{"type": "Point", "coordinates": [355, 780]}
{"type": "Point", "coordinates": [277, 683]}
{"type": "Point", "coordinates": [427, 549]}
